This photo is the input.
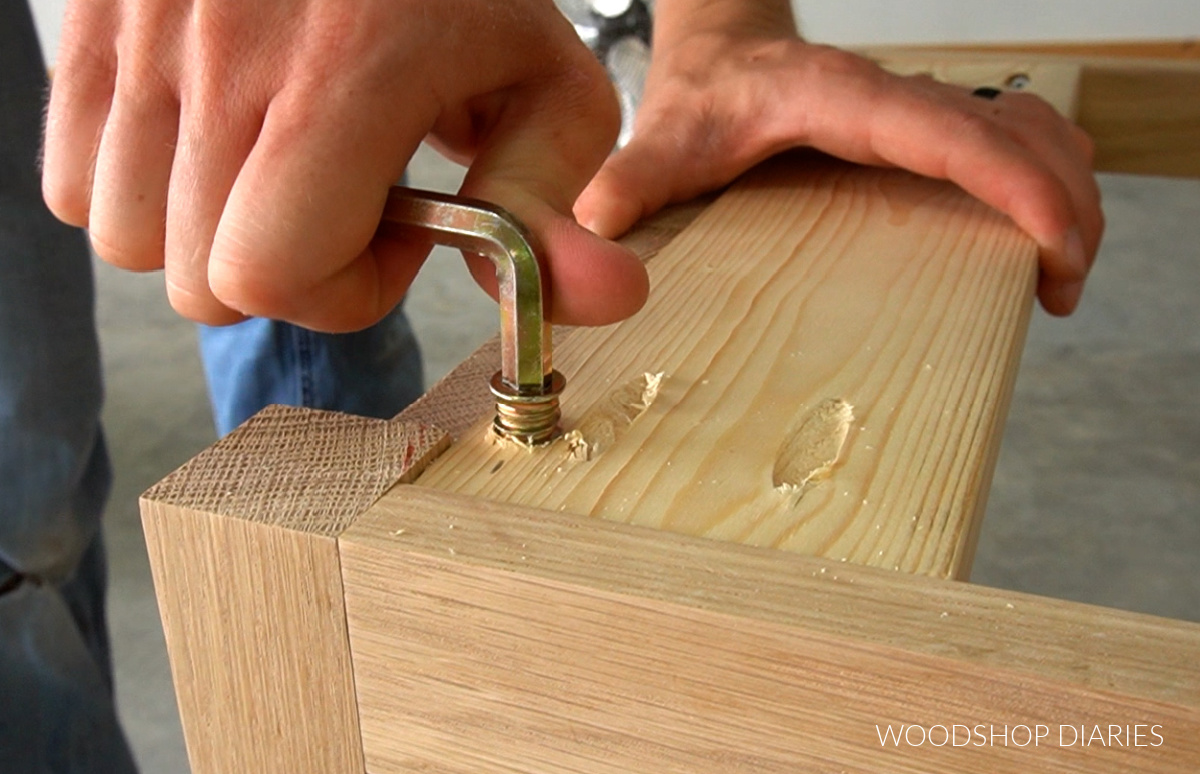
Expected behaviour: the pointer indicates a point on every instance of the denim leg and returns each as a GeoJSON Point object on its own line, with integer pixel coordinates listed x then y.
{"type": "Point", "coordinates": [56, 705]}
{"type": "Point", "coordinates": [56, 710]}
{"type": "Point", "coordinates": [374, 372]}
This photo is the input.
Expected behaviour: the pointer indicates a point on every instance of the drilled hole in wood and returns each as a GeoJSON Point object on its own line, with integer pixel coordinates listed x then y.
{"type": "Point", "coordinates": [606, 423]}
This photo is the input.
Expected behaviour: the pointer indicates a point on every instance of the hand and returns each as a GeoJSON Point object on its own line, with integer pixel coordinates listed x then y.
{"type": "Point", "coordinates": [727, 91]}
{"type": "Point", "coordinates": [247, 146]}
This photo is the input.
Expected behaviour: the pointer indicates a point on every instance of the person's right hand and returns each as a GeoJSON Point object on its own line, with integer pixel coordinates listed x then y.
{"type": "Point", "coordinates": [247, 146]}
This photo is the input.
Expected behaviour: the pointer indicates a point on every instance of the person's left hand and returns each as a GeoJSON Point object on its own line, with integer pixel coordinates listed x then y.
{"type": "Point", "coordinates": [725, 93]}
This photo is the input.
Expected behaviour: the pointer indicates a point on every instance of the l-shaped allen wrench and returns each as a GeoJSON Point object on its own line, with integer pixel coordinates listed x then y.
{"type": "Point", "coordinates": [526, 387]}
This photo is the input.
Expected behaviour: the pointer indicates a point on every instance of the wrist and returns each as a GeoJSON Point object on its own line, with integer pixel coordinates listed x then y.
{"type": "Point", "coordinates": [679, 20]}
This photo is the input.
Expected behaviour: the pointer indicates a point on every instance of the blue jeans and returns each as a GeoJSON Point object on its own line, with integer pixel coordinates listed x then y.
{"type": "Point", "coordinates": [57, 714]}
{"type": "Point", "coordinates": [375, 372]}
{"type": "Point", "coordinates": [56, 702]}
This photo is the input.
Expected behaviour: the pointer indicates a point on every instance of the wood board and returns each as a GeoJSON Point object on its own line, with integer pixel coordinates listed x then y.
{"type": "Point", "coordinates": [242, 547]}
{"type": "Point", "coordinates": [555, 642]}
{"type": "Point", "coordinates": [809, 283]}
{"type": "Point", "coordinates": [1140, 103]}
{"type": "Point", "coordinates": [489, 638]}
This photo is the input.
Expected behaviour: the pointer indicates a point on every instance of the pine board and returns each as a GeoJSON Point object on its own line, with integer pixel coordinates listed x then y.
{"type": "Point", "coordinates": [809, 281]}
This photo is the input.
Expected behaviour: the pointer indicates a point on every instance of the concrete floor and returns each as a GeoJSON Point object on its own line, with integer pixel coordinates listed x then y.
{"type": "Point", "coordinates": [1096, 498]}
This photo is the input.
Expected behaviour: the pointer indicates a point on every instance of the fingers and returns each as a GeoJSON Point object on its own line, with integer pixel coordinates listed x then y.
{"type": "Point", "coordinates": [1028, 162]}
{"type": "Point", "coordinates": [1013, 153]}
{"type": "Point", "coordinates": [1067, 151]}
{"type": "Point", "coordinates": [539, 154]}
{"type": "Point", "coordinates": [591, 281]}
{"type": "Point", "coordinates": [208, 160]}
{"type": "Point", "coordinates": [631, 185]}
{"type": "Point", "coordinates": [80, 96]}
{"type": "Point", "coordinates": [248, 149]}
{"type": "Point", "coordinates": [706, 118]}
{"type": "Point", "coordinates": [127, 220]}
{"type": "Point", "coordinates": [297, 238]}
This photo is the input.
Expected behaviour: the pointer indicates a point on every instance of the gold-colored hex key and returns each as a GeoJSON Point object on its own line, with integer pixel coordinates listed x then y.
{"type": "Point", "coordinates": [526, 386]}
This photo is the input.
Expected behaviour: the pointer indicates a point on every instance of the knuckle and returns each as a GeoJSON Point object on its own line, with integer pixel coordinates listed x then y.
{"type": "Point", "coordinates": [588, 91]}
{"type": "Point", "coordinates": [142, 79]}
{"type": "Point", "coordinates": [1085, 143]}
{"type": "Point", "coordinates": [121, 251]}
{"type": "Point", "coordinates": [66, 202]}
{"type": "Point", "coordinates": [237, 288]}
{"type": "Point", "coordinates": [974, 127]}
{"type": "Point", "coordinates": [251, 290]}
{"type": "Point", "coordinates": [199, 307]}
{"type": "Point", "coordinates": [826, 61]}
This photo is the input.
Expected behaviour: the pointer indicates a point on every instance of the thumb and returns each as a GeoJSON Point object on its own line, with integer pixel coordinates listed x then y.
{"type": "Point", "coordinates": [533, 162]}
{"type": "Point", "coordinates": [630, 186]}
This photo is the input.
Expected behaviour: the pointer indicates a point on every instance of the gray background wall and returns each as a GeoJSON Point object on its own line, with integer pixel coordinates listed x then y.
{"type": "Point", "coordinates": [915, 21]}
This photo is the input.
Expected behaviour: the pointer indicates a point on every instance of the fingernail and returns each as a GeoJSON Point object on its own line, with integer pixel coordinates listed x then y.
{"type": "Point", "coordinates": [600, 226]}
{"type": "Point", "coordinates": [589, 223]}
{"type": "Point", "coordinates": [1074, 255]}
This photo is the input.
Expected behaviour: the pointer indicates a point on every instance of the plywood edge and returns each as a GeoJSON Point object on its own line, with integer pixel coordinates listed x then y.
{"type": "Point", "coordinates": [247, 574]}
{"type": "Point", "coordinates": [541, 641]}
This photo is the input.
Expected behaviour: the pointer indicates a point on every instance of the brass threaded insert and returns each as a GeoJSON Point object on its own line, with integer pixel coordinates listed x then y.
{"type": "Point", "coordinates": [530, 419]}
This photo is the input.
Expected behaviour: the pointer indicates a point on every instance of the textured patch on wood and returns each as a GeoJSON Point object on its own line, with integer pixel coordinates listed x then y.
{"type": "Point", "coordinates": [302, 469]}
{"type": "Point", "coordinates": [461, 398]}
{"type": "Point", "coordinates": [809, 452]}
{"type": "Point", "coordinates": [606, 422]}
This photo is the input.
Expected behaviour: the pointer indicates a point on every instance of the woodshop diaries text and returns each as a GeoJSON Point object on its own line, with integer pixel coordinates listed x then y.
{"type": "Point", "coordinates": [959, 735]}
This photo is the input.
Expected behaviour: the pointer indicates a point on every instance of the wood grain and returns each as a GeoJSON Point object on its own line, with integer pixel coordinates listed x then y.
{"type": "Point", "coordinates": [1144, 117]}
{"type": "Point", "coordinates": [255, 627]}
{"type": "Point", "coordinates": [492, 638]}
{"type": "Point", "coordinates": [246, 569]}
{"type": "Point", "coordinates": [810, 281]}
{"type": "Point", "coordinates": [461, 398]}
